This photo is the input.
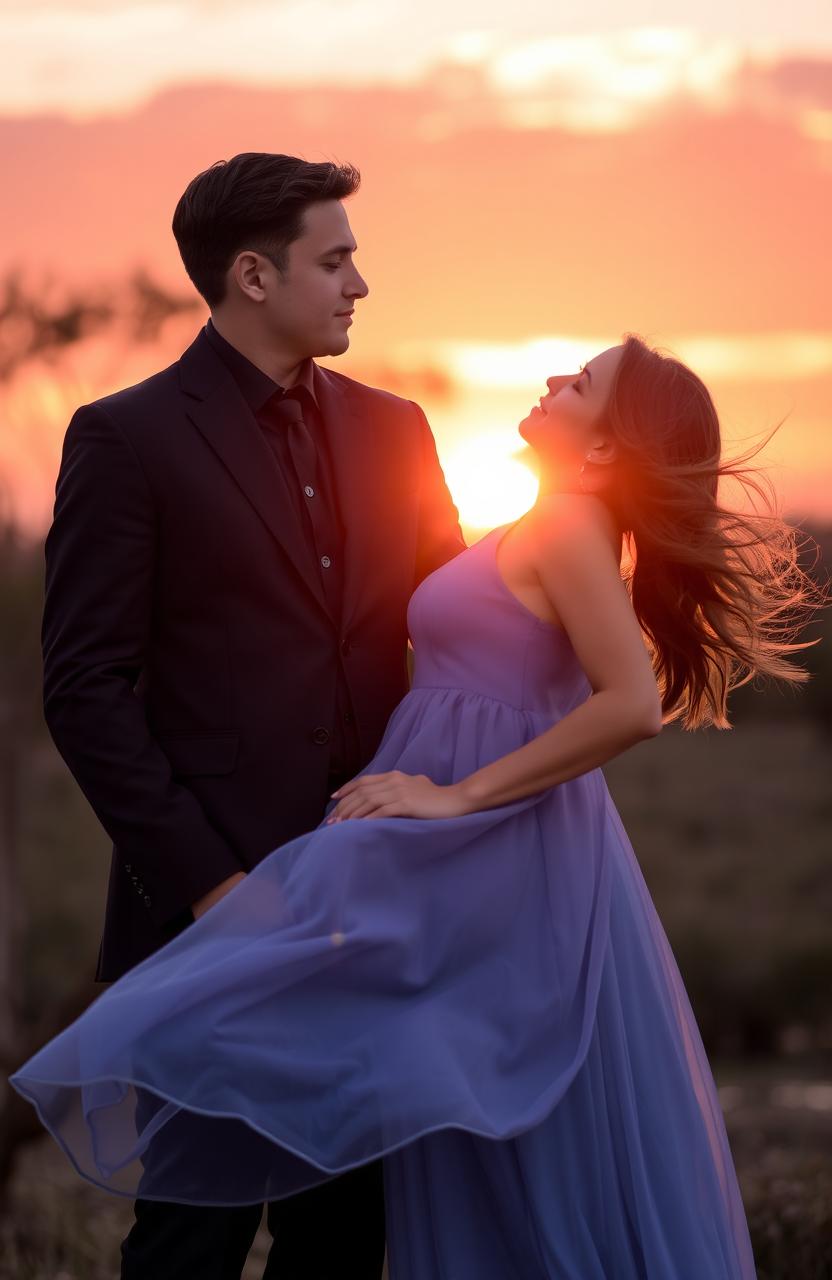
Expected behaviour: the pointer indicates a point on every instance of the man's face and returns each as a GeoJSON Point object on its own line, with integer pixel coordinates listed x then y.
{"type": "Point", "coordinates": [308, 306]}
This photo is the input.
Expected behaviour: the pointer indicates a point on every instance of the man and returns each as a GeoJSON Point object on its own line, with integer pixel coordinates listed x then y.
{"type": "Point", "coordinates": [235, 540]}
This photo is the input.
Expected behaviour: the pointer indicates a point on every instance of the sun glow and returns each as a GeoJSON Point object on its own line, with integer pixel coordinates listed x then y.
{"type": "Point", "coordinates": [488, 484]}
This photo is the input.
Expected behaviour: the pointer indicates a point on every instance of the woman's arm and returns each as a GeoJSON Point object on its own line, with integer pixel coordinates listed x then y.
{"type": "Point", "coordinates": [578, 566]}
{"type": "Point", "coordinates": [579, 569]}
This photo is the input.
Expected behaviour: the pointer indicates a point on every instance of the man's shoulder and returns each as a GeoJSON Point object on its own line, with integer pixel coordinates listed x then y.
{"type": "Point", "coordinates": [138, 395]}
{"type": "Point", "coordinates": [378, 396]}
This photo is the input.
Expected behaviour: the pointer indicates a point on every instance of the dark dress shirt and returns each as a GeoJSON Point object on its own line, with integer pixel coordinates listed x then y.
{"type": "Point", "coordinates": [315, 508]}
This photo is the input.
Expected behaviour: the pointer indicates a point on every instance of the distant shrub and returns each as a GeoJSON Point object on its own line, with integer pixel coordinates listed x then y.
{"type": "Point", "coordinates": [789, 1211]}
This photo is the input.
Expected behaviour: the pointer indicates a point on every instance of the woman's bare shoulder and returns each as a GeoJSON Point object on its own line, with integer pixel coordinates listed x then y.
{"type": "Point", "coordinates": [574, 522]}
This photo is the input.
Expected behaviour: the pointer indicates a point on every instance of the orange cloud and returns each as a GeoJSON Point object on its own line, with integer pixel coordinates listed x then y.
{"type": "Point", "coordinates": [701, 225]}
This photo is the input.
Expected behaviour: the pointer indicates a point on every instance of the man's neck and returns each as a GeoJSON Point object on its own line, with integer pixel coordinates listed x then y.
{"type": "Point", "coordinates": [281, 367]}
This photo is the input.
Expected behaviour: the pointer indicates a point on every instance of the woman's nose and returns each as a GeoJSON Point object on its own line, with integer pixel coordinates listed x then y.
{"type": "Point", "coordinates": [557, 380]}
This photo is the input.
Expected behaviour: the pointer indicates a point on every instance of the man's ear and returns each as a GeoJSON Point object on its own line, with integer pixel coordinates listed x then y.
{"type": "Point", "coordinates": [247, 271]}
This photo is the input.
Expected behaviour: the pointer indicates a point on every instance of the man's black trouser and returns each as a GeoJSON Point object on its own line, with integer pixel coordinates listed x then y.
{"type": "Point", "coordinates": [334, 1231]}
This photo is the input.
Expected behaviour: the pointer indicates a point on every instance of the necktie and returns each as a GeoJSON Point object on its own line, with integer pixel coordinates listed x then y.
{"type": "Point", "coordinates": [286, 413]}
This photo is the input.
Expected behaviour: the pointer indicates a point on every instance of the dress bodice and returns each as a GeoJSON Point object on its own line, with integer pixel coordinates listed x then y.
{"type": "Point", "coordinates": [470, 632]}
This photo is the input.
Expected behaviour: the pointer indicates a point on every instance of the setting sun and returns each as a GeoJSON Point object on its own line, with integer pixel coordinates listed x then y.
{"type": "Point", "coordinates": [489, 485]}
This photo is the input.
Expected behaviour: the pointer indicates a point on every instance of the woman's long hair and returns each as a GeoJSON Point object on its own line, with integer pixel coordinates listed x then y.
{"type": "Point", "coordinates": [719, 592]}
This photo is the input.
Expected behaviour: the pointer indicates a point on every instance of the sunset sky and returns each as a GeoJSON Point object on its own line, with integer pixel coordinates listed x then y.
{"type": "Point", "coordinates": [534, 186]}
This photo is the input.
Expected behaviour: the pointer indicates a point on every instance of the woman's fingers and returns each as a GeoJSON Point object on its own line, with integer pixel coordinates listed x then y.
{"type": "Point", "coordinates": [359, 811]}
{"type": "Point", "coordinates": [347, 789]}
{"type": "Point", "coordinates": [368, 779]}
{"type": "Point", "coordinates": [386, 811]}
{"type": "Point", "coordinates": [362, 800]}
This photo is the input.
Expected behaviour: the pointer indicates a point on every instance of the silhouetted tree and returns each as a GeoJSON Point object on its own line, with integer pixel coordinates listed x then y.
{"type": "Point", "coordinates": [41, 323]}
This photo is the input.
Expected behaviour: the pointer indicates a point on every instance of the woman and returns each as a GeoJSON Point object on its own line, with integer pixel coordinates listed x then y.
{"type": "Point", "coordinates": [473, 983]}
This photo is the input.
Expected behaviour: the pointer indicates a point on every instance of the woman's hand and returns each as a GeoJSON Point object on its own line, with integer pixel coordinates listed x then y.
{"type": "Point", "coordinates": [398, 795]}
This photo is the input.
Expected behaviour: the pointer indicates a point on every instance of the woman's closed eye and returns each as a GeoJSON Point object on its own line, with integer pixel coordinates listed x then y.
{"type": "Point", "coordinates": [576, 384]}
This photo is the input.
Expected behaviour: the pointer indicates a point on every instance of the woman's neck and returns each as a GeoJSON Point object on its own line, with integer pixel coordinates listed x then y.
{"type": "Point", "coordinates": [554, 478]}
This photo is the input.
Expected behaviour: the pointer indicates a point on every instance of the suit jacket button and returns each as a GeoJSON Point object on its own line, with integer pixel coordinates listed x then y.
{"type": "Point", "coordinates": [127, 866]}
{"type": "Point", "coordinates": [147, 901]}
{"type": "Point", "coordinates": [320, 735]}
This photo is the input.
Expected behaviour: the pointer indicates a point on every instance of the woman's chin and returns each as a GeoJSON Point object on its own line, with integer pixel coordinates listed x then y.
{"type": "Point", "coordinates": [526, 430]}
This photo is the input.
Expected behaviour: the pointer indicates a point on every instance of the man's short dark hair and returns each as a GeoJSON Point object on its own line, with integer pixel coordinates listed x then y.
{"type": "Point", "coordinates": [255, 200]}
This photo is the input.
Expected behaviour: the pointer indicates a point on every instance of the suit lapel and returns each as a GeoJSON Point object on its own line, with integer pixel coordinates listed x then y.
{"type": "Point", "coordinates": [218, 410]}
{"type": "Point", "coordinates": [358, 465]}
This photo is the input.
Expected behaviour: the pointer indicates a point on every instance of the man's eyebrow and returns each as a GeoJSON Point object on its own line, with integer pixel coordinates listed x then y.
{"type": "Point", "coordinates": [340, 250]}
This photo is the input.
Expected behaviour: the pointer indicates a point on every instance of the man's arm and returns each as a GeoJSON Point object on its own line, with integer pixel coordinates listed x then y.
{"type": "Point", "coordinates": [100, 553]}
{"type": "Point", "coordinates": [440, 537]}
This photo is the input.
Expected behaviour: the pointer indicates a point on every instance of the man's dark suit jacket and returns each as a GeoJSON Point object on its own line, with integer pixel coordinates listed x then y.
{"type": "Point", "coordinates": [189, 657]}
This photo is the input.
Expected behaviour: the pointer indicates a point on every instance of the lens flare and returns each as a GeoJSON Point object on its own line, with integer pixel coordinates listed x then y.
{"type": "Point", "coordinates": [488, 483]}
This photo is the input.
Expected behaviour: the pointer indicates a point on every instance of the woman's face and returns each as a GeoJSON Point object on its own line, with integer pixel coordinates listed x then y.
{"type": "Point", "coordinates": [565, 425]}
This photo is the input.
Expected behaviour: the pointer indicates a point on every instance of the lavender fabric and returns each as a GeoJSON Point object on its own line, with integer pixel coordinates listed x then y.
{"type": "Point", "coordinates": [489, 1002]}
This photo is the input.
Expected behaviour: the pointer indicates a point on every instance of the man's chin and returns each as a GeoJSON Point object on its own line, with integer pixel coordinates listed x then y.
{"type": "Point", "coordinates": [337, 345]}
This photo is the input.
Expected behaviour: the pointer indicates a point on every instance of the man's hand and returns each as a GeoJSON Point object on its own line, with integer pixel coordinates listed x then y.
{"type": "Point", "coordinates": [213, 896]}
{"type": "Point", "coordinates": [398, 795]}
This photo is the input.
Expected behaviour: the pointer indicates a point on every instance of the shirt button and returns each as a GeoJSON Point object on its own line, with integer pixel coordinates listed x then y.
{"type": "Point", "coordinates": [325, 561]}
{"type": "Point", "coordinates": [348, 717]}
{"type": "Point", "coordinates": [309, 491]}
{"type": "Point", "coordinates": [320, 735]}
{"type": "Point", "coordinates": [346, 646]}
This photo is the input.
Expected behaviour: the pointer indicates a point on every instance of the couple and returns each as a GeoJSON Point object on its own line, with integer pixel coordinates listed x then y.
{"type": "Point", "coordinates": [384, 957]}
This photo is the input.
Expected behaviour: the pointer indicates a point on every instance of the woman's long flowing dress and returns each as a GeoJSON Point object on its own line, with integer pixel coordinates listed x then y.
{"type": "Point", "coordinates": [489, 1002]}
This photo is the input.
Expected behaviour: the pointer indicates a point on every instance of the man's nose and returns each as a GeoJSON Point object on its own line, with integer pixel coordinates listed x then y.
{"type": "Point", "coordinates": [359, 287]}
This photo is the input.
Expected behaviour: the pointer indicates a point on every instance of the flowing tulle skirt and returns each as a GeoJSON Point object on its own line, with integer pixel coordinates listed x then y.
{"type": "Point", "coordinates": [488, 1002]}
